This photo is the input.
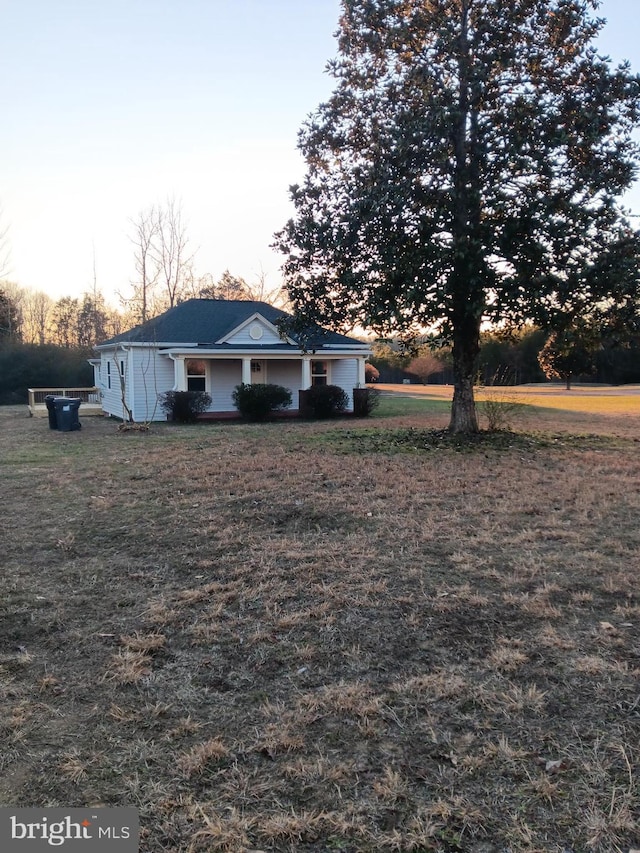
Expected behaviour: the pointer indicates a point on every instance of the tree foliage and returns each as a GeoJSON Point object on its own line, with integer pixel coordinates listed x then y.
{"type": "Point", "coordinates": [425, 365]}
{"type": "Point", "coordinates": [570, 352]}
{"type": "Point", "coordinates": [24, 366]}
{"type": "Point", "coordinates": [227, 287]}
{"type": "Point", "coordinates": [466, 168]}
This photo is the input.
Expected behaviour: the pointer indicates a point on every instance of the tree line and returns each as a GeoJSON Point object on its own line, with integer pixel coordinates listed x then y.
{"type": "Point", "coordinates": [34, 317]}
{"type": "Point", "coordinates": [524, 356]}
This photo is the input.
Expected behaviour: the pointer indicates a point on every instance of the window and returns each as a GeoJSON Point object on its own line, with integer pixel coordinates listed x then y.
{"type": "Point", "coordinates": [319, 373]}
{"type": "Point", "coordinates": [196, 375]}
{"type": "Point", "coordinates": [122, 369]}
{"type": "Point", "coordinates": [108, 374]}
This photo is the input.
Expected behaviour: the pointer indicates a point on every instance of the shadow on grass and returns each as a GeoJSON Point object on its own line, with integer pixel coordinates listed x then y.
{"type": "Point", "coordinates": [415, 440]}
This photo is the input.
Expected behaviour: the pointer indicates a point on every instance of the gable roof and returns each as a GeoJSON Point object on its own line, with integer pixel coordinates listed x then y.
{"type": "Point", "coordinates": [205, 322]}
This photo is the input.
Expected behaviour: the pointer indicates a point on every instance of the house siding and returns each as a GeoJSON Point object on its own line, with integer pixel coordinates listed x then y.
{"type": "Point", "coordinates": [150, 374]}
{"type": "Point", "coordinates": [344, 372]}
{"type": "Point", "coordinates": [288, 374]}
{"type": "Point", "coordinates": [146, 376]}
{"type": "Point", "coordinates": [112, 396]}
{"type": "Point", "coordinates": [224, 375]}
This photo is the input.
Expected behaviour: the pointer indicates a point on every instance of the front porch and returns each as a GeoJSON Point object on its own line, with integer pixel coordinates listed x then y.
{"type": "Point", "coordinates": [218, 374]}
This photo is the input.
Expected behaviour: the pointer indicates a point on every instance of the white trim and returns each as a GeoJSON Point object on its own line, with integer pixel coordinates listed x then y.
{"type": "Point", "coordinates": [179, 351]}
{"type": "Point", "coordinates": [306, 372]}
{"type": "Point", "coordinates": [356, 344]}
{"type": "Point", "coordinates": [146, 344]}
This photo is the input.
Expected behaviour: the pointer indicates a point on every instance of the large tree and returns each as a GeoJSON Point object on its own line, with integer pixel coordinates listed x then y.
{"type": "Point", "coordinates": [570, 352]}
{"type": "Point", "coordinates": [466, 169]}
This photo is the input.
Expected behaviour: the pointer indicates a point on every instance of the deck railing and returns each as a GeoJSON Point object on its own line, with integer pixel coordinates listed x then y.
{"type": "Point", "coordinates": [89, 396]}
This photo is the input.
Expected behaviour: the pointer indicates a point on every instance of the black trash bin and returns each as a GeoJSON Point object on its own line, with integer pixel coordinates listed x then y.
{"type": "Point", "coordinates": [67, 413]}
{"type": "Point", "coordinates": [51, 410]}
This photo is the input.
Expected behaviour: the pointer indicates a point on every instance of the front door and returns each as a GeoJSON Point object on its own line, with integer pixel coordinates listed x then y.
{"type": "Point", "coordinates": [258, 371]}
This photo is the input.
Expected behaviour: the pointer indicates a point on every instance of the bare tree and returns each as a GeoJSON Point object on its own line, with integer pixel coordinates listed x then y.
{"type": "Point", "coordinates": [92, 319]}
{"type": "Point", "coordinates": [144, 238]}
{"type": "Point", "coordinates": [171, 252]}
{"type": "Point", "coordinates": [64, 322]}
{"type": "Point", "coordinates": [163, 261]}
{"type": "Point", "coordinates": [36, 317]}
{"type": "Point", "coordinates": [276, 296]}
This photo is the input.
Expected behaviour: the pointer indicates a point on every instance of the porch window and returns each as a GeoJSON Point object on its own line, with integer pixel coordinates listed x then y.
{"type": "Point", "coordinates": [196, 374]}
{"type": "Point", "coordinates": [319, 372]}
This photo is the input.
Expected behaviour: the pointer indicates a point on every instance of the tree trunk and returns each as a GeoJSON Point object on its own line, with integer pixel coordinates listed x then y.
{"type": "Point", "coordinates": [463, 408]}
{"type": "Point", "coordinates": [465, 290]}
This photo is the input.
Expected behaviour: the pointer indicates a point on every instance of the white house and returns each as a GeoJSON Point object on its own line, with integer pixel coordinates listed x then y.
{"type": "Point", "coordinates": [213, 345]}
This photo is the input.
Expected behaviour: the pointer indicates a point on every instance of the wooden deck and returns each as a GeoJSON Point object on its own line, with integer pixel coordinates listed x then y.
{"type": "Point", "coordinates": [91, 402]}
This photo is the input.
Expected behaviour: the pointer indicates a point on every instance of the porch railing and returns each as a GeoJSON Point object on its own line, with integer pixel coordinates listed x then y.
{"type": "Point", "coordinates": [90, 398]}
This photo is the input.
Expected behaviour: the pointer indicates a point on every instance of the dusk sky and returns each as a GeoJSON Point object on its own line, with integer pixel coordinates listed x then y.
{"type": "Point", "coordinates": [109, 107]}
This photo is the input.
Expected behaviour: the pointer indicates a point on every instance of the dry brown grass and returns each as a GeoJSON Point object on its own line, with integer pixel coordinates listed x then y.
{"type": "Point", "coordinates": [315, 637]}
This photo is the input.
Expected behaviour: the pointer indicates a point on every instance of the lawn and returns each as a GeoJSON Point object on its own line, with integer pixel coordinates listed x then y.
{"type": "Point", "coordinates": [344, 636]}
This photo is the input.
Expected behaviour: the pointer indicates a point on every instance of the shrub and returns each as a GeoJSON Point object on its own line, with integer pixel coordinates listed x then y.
{"type": "Point", "coordinates": [371, 373]}
{"type": "Point", "coordinates": [257, 402]}
{"type": "Point", "coordinates": [325, 401]}
{"type": "Point", "coordinates": [365, 400]}
{"type": "Point", "coordinates": [499, 404]}
{"type": "Point", "coordinates": [184, 406]}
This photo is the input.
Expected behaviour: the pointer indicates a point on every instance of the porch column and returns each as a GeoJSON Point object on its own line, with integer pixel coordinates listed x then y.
{"type": "Point", "coordinates": [246, 371]}
{"type": "Point", "coordinates": [180, 373]}
{"type": "Point", "coordinates": [361, 374]}
{"type": "Point", "coordinates": [306, 373]}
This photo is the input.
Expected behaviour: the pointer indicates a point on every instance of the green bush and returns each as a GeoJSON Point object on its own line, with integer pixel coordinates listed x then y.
{"type": "Point", "coordinates": [257, 402]}
{"type": "Point", "coordinates": [325, 401]}
{"type": "Point", "coordinates": [184, 406]}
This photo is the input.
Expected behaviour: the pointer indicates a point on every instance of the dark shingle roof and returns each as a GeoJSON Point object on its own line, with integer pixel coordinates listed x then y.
{"type": "Point", "coordinates": [205, 321]}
